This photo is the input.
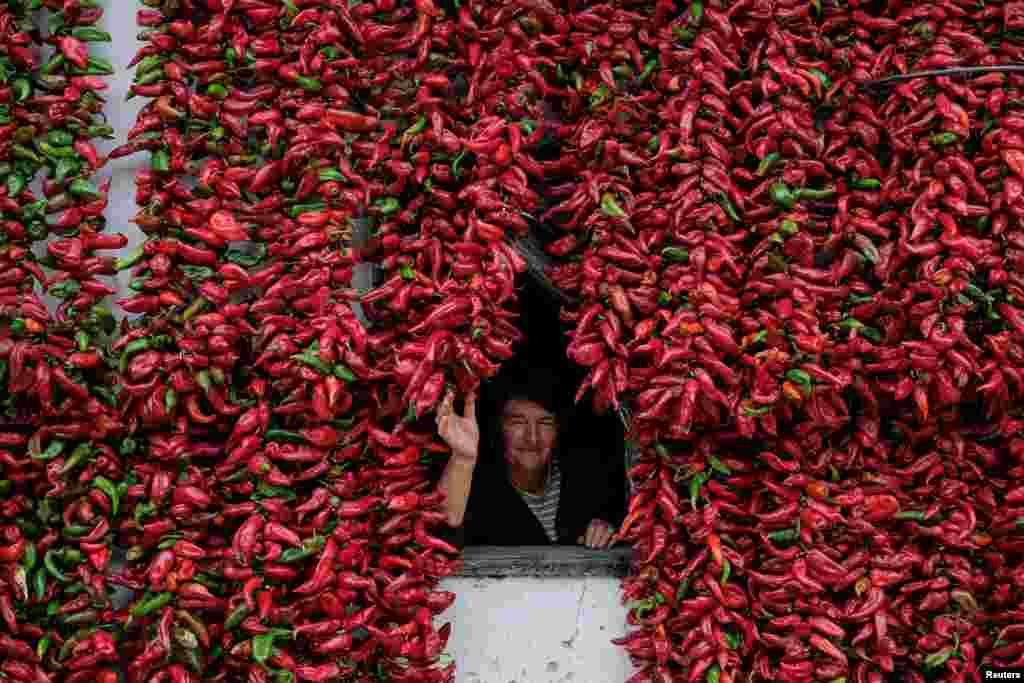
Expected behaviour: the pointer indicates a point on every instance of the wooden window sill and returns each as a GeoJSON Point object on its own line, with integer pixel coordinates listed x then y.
{"type": "Point", "coordinates": [544, 561]}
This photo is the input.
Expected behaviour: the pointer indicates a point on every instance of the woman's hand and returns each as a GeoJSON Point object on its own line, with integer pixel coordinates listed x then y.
{"type": "Point", "coordinates": [461, 433]}
{"type": "Point", "coordinates": [598, 534]}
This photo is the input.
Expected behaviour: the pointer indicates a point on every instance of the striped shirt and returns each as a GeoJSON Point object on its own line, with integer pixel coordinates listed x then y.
{"type": "Point", "coordinates": [545, 505]}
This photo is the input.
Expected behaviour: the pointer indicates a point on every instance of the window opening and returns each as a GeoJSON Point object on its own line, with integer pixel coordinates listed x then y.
{"type": "Point", "coordinates": [587, 433]}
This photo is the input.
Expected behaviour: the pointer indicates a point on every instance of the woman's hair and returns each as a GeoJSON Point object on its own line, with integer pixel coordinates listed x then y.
{"type": "Point", "coordinates": [525, 381]}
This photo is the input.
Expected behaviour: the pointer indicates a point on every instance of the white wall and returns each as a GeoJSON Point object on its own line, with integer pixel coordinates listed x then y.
{"type": "Point", "coordinates": [544, 630]}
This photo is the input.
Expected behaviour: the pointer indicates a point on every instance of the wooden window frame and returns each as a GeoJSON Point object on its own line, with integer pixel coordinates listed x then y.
{"type": "Point", "coordinates": [543, 561]}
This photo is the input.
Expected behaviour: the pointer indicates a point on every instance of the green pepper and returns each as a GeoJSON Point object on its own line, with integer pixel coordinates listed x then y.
{"type": "Point", "coordinates": [313, 361]}
{"type": "Point", "coordinates": [198, 273]}
{"type": "Point", "coordinates": [64, 290]}
{"type": "Point", "coordinates": [293, 555]}
{"type": "Point", "coordinates": [15, 184]}
{"type": "Point", "coordinates": [83, 188]}
{"type": "Point", "coordinates": [97, 66]}
{"type": "Point", "coordinates": [610, 207]}
{"type": "Point", "coordinates": [387, 205]}
{"type": "Point", "coordinates": [39, 581]}
{"type": "Point", "coordinates": [756, 412]}
{"type": "Point", "coordinates": [236, 618]}
{"type": "Point", "coordinates": [262, 646]}
{"type": "Point", "coordinates": [871, 334]}
{"type": "Point", "coordinates": [143, 510]}
{"type": "Point", "coordinates": [217, 91]}
{"type": "Point", "coordinates": [299, 209]}
{"type": "Point", "coordinates": [784, 536]}
{"type": "Point", "coordinates": [130, 261]}
{"type": "Point", "coordinates": [683, 587]}
{"type": "Point", "coordinates": [676, 254]}
{"type": "Point", "coordinates": [110, 491]}
{"type": "Point", "coordinates": [766, 163]}
{"type": "Point", "coordinates": [137, 345]}
{"type": "Point", "coordinates": [649, 68]}
{"type": "Point", "coordinates": [60, 138]}
{"type": "Point", "coordinates": [22, 89]}
{"type": "Point", "coordinates": [342, 372]}
{"type": "Point", "coordinates": [822, 77]}
{"type": "Point", "coordinates": [31, 556]}
{"type": "Point", "coordinates": [789, 227]}
{"type": "Point", "coordinates": [728, 207]}
{"type": "Point", "coordinates": [43, 646]}
{"type": "Point", "coordinates": [203, 380]}
{"type": "Point", "coordinates": [90, 34]}
{"type": "Point", "coordinates": [782, 195]}
{"type": "Point", "coordinates": [55, 448]}
{"type": "Point", "coordinates": [75, 530]}
{"type": "Point", "coordinates": [23, 152]}
{"type": "Point", "coordinates": [456, 171]}
{"type": "Point", "coordinates": [598, 97]}
{"type": "Point", "coordinates": [714, 674]}
{"type": "Point", "coordinates": [732, 639]}
{"type": "Point", "coordinates": [810, 193]}
{"type": "Point", "coordinates": [939, 658]}
{"type": "Point", "coordinates": [696, 483]}
{"type": "Point", "coordinates": [718, 466]}
{"type": "Point", "coordinates": [726, 571]}
{"type": "Point", "coordinates": [866, 184]}
{"type": "Point", "coordinates": [100, 130]}
{"type": "Point", "coordinates": [416, 128]}
{"type": "Point", "coordinates": [309, 548]}
{"type": "Point", "coordinates": [850, 324]}
{"type": "Point", "coordinates": [82, 340]}
{"type": "Point", "coordinates": [161, 161]}
{"type": "Point", "coordinates": [800, 377]}
{"type": "Point", "coordinates": [331, 174]}
{"type": "Point", "coordinates": [56, 151]}
{"type": "Point", "coordinates": [82, 452]}
{"type": "Point", "coordinates": [941, 139]}
{"type": "Point", "coordinates": [310, 84]}
{"type": "Point", "coordinates": [527, 126]}
{"type": "Point", "coordinates": [168, 541]}
{"type": "Point", "coordinates": [50, 563]}
{"type": "Point", "coordinates": [147, 606]}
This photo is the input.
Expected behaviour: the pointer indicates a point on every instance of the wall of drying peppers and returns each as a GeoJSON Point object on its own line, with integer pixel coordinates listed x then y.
{"type": "Point", "coordinates": [806, 287]}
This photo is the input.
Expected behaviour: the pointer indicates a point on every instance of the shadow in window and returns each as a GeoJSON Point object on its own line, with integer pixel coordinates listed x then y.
{"type": "Point", "coordinates": [550, 472]}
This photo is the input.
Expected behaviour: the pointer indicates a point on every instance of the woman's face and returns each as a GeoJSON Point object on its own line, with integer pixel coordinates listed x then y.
{"type": "Point", "coordinates": [530, 433]}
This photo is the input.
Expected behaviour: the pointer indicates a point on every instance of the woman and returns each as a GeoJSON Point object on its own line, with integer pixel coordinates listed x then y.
{"type": "Point", "coordinates": [530, 487]}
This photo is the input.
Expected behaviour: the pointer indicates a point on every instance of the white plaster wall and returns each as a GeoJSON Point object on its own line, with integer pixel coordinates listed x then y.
{"type": "Point", "coordinates": [543, 630]}
{"type": "Point", "coordinates": [119, 20]}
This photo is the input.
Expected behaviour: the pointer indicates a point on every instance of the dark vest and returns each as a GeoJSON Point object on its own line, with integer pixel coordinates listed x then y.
{"type": "Point", "coordinates": [593, 486]}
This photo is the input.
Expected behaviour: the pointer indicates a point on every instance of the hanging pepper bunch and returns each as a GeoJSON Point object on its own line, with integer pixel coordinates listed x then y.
{"type": "Point", "coordinates": [840, 321]}
{"type": "Point", "coordinates": [257, 365]}
{"type": "Point", "coordinates": [61, 470]}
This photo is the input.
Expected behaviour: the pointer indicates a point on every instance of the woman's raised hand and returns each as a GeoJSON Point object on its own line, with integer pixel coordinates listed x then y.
{"type": "Point", "coordinates": [460, 432]}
